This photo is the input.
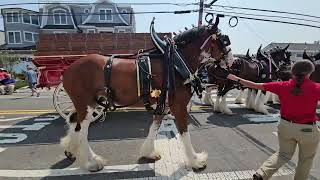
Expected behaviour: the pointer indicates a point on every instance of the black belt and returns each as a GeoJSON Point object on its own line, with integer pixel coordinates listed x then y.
{"type": "Point", "coordinates": [309, 123]}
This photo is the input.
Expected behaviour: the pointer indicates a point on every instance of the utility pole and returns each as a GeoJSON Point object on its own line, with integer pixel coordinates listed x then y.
{"type": "Point", "coordinates": [200, 13]}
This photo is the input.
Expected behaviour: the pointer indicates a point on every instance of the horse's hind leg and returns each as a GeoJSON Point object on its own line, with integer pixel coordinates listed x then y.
{"type": "Point", "coordinates": [179, 110]}
{"type": "Point", "coordinates": [148, 149]}
{"type": "Point", "coordinates": [76, 142]}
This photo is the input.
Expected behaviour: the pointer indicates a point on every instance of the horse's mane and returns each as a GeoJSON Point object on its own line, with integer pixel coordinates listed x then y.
{"type": "Point", "coordinates": [191, 34]}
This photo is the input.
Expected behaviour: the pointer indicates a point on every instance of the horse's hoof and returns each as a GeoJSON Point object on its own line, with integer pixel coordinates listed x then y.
{"type": "Point", "coordinates": [96, 164]}
{"type": "Point", "coordinates": [155, 155]}
{"type": "Point", "coordinates": [200, 161]}
{"type": "Point", "coordinates": [69, 155]}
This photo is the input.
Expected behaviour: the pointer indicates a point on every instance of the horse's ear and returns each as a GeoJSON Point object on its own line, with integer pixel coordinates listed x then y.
{"type": "Point", "coordinates": [259, 50]}
{"type": "Point", "coordinates": [248, 53]}
{"type": "Point", "coordinates": [286, 48]}
{"type": "Point", "coordinates": [215, 25]}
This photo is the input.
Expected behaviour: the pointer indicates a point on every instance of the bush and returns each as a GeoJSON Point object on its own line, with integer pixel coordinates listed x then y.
{"type": "Point", "coordinates": [20, 84]}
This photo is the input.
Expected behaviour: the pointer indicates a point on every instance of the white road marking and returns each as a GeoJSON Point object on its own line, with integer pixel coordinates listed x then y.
{"type": "Point", "coordinates": [12, 138]}
{"type": "Point", "coordinates": [74, 171]}
{"type": "Point", "coordinates": [15, 119]}
{"type": "Point", "coordinates": [26, 97]}
{"type": "Point", "coordinates": [31, 127]}
{"type": "Point", "coordinates": [46, 118]}
{"type": "Point", "coordinates": [2, 149]}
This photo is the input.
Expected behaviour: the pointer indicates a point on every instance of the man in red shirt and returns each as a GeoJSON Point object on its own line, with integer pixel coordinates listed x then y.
{"type": "Point", "coordinates": [3, 74]}
{"type": "Point", "coordinates": [299, 98]}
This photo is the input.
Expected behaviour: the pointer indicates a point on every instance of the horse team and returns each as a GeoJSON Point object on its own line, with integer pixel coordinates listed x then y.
{"type": "Point", "coordinates": [115, 80]}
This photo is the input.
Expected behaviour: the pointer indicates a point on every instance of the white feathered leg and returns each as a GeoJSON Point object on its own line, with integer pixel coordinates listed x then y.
{"type": "Point", "coordinates": [252, 99]}
{"type": "Point", "coordinates": [259, 103]}
{"type": "Point", "coordinates": [267, 97]}
{"type": "Point", "coordinates": [205, 100]}
{"type": "Point", "coordinates": [275, 99]}
{"type": "Point", "coordinates": [148, 148]}
{"type": "Point", "coordinates": [256, 101]}
{"type": "Point", "coordinates": [78, 143]}
{"type": "Point", "coordinates": [248, 99]}
{"type": "Point", "coordinates": [223, 106]}
{"type": "Point", "coordinates": [239, 98]}
{"type": "Point", "coordinates": [195, 160]}
{"type": "Point", "coordinates": [216, 106]}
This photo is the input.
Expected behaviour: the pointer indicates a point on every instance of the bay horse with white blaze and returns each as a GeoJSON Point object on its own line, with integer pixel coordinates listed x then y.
{"type": "Point", "coordinates": [86, 80]}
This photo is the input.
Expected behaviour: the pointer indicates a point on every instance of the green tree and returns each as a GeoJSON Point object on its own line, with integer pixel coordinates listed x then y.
{"type": "Point", "coordinates": [8, 60]}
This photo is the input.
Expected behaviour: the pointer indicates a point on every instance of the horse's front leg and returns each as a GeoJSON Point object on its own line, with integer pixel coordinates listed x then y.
{"type": "Point", "coordinates": [148, 148]}
{"type": "Point", "coordinates": [216, 106]}
{"type": "Point", "coordinates": [178, 108]}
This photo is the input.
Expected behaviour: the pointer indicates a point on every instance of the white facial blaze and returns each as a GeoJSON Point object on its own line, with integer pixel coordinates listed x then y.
{"type": "Point", "coordinates": [204, 56]}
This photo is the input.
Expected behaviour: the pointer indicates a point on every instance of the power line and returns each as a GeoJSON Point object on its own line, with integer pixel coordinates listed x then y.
{"type": "Point", "coordinates": [267, 20]}
{"type": "Point", "coordinates": [271, 16]}
{"type": "Point", "coordinates": [266, 10]}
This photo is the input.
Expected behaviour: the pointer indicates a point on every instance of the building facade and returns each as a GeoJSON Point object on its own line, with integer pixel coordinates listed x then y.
{"type": "Point", "coordinates": [101, 16]}
{"type": "Point", "coordinates": [22, 26]}
{"type": "Point", "coordinates": [297, 49]}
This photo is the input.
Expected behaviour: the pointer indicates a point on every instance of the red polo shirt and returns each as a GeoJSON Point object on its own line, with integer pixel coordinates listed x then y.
{"type": "Point", "coordinates": [300, 108]}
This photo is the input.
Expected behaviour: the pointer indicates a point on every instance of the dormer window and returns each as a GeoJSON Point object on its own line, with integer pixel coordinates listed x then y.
{"type": "Point", "coordinates": [124, 12]}
{"type": "Point", "coordinates": [60, 17]}
{"type": "Point", "coordinates": [105, 14]}
{"type": "Point", "coordinates": [12, 17]}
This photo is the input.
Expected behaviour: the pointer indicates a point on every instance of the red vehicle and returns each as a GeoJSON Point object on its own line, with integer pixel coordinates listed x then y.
{"type": "Point", "coordinates": [51, 69]}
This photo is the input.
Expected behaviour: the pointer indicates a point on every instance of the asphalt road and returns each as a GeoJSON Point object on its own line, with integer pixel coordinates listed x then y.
{"type": "Point", "coordinates": [29, 141]}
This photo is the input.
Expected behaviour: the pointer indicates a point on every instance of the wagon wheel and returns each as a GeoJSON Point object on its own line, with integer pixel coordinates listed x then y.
{"type": "Point", "coordinates": [64, 106]}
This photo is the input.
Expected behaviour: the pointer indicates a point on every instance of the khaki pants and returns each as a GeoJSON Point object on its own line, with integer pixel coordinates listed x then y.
{"type": "Point", "coordinates": [290, 135]}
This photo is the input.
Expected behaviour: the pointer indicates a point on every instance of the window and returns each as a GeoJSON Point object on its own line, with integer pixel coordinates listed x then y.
{"type": "Point", "coordinates": [12, 17]}
{"type": "Point", "coordinates": [35, 19]}
{"type": "Point", "coordinates": [121, 31]}
{"type": "Point", "coordinates": [91, 30]}
{"type": "Point", "coordinates": [86, 11]}
{"type": "Point", "coordinates": [14, 37]}
{"type": "Point", "coordinates": [105, 15]}
{"type": "Point", "coordinates": [30, 19]}
{"type": "Point", "coordinates": [26, 18]}
{"type": "Point", "coordinates": [28, 36]}
{"type": "Point", "coordinates": [31, 36]}
{"type": "Point", "coordinates": [299, 55]}
{"type": "Point", "coordinates": [60, 17]}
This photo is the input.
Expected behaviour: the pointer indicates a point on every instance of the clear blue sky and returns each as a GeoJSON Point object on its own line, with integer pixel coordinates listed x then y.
{"type": "Point", "coordinates": [248, 33]}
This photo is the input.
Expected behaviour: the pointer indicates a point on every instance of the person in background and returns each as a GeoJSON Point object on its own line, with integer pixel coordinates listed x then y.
{"type": "Point", "coordinates": [3, 75]}
{"type": "Point", "coordinates": [31, 76]}
{"type": "Point", "coordinates": [298, 97]}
